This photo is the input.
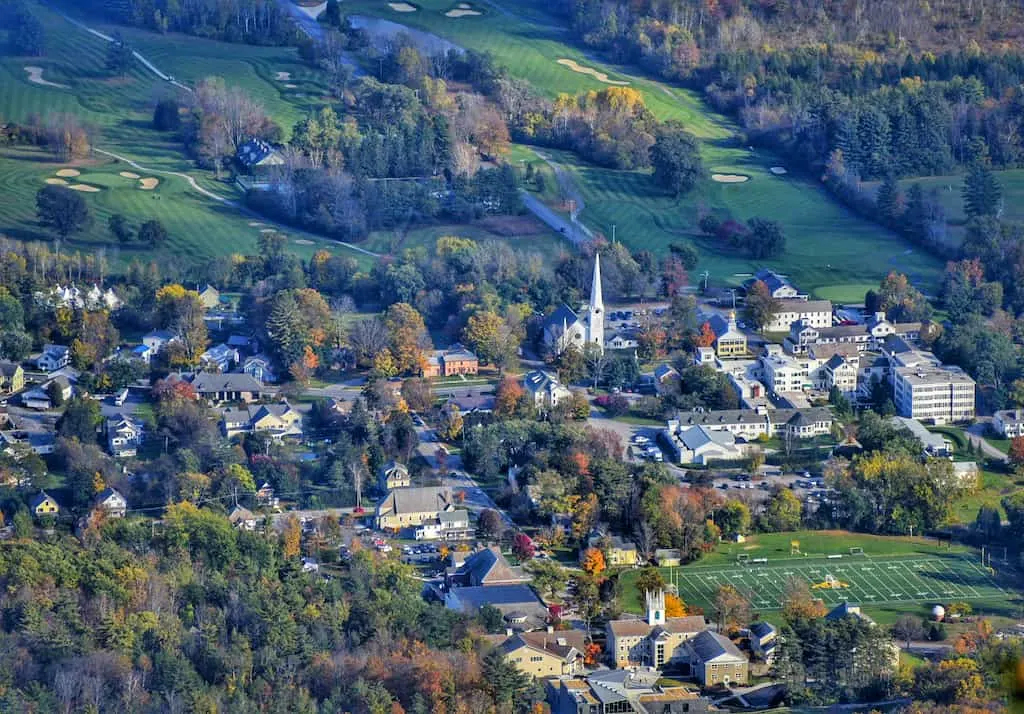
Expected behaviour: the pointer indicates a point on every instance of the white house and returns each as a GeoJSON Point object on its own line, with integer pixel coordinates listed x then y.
{"type": "Point", "coordinates": [817, 313]}
{"type": "Point", "coordinates": [54, 357]}
{"type": "Point", "coordinates": [158, 339]}
{"type": "Point", "coordinates": [111, 502]}
{"type": "Point", "coordinates": [124, 436]}
{"type": "Point", "coordinates": [260, 368]}
{"type": "Point", "coordinates": [222, 357]}
{"type": "Point", "coordinates": [545, 390]}
{"type": "Point", "coordinates": [1009, 423]}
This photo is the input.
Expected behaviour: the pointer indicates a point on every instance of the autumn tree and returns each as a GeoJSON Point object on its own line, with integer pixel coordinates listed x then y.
{"type": "Point", "coordinates": [593, 562]}
{"type": "Point", "coordinates": [181, 312]}
{"type": "Point", "coordinates": [407, 336]}
{"type": "Point", "coordinates": [732, 610]}
{"type": "Point", "coordinates": [760, 307]}
{"type": "Point", "coordinates": [798, 603]}
{"type": "Point", "coordinates": [674, 606]}
{"type": "Point", "coordinates": [291, 538]}
{"type": "Point", "coordinates": [523, 546]}
{"type": "Point", "coordinates": [508, 397]}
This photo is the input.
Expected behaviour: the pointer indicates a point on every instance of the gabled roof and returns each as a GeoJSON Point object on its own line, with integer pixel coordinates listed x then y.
{"type": "Point", "coordinates": [108, 493]}
{"type": "Point", "coordinates": [516, 595]}
{"type": "Point", "coordinates": [698, 436]}
{"type": "Point", "coordinates": [565, 644]}
{"type": "Point", "coordinates": [640, 628]}
{"type": "Point", "coordinates": [762, 629]}
{"type": "Point", "coordinates": [488, 566]}
{"type": "Point", "coordinates": [423, 499]}
{"type": "Point", "coordinates": [709, 646]}
{"type": "Point", "coordinates": [846, 609]}
{"type": "Point", "coordinates": [39, 498]}
{"type": "Point", "coordinates": [562, 315]}
{"type": "Point", "coordinates": [205, 382]}
{"type": "Point", "coordinates": [256, 151]}
{"type": "Point", "coordinates": [241, 513]}
{"type": "Point", "coordinates": [9, 369]}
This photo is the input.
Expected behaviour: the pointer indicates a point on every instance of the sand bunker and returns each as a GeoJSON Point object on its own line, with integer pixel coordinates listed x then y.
{"type": "Point", "coordinates": [303, 241]}
{"type": "Point", "coordinates": [267, 230]}
{"type": "Point", "coordinates": [148, 184]}
{"type": "Point", "coordinates": [729, 178]}
{"type": "Point", "coordinates": [291, 86]}
{"type": "Point", "coordinates": [283, 76]}
{"type": "Point", "coordinates": [462, 12]}
{"type": "Point", "coordinates": [56, 182]}
{"type": "Point", "coordinates": [778, 170]}
{"type": "Point", "coordinates": [84, 188]}
{"type": "Point", "coordinates": [35, 75]}
{"type": "Point", "coordinates": [255, 224]}
{"type": "Point", "coordinates": [128, 174]}
{"type": "Point", "coordinates": [402, 7]}
{"type": "Point", "coordinates": [599, 76]}
{"type": "Point", "coordinates": [69, 173]}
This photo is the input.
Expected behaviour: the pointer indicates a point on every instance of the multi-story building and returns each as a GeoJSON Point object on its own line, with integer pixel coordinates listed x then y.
{"type": "Point", "coordinates": [936, 393]}
{"type": "Point", "coordinates": [729, 341]}
{"type": "Point", "coordinates": [125, 435]}
{"type": "Point", "coordinates": [546, 653]}
{"type": "Point", "coordinates": [545, 390]}
{"type": "Point", "coordinates": [817, 313]}
{"type": "Point", "coordinates": [614, 691]}
{"type": "Point", "coordinates": [653, 642]}
{"type": "Point", "coordinates": [714, 659]}
{"type": "Point", "coordinates": [452, 361]}
{"type": "Point", "coordinates": [407, 507]}
{"type": "Point", "coordinates": [841, 373]}
{"type": "Point", "coordinates": [1009, 423]}
{"type": "Point", "coordinates": [782, 373]}
{"type": "Point", "coordinates": [778, 285]}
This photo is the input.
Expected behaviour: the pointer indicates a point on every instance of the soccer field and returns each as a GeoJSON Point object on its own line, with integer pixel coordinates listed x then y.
{"type": "Point", "coordinates": [861, 579]}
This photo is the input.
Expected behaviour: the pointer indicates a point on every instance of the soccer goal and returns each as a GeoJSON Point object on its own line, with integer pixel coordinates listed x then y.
{"type": "Point", "coordinates": [743, 558]}
{"type": "Point", "coordinates": [856, 550]}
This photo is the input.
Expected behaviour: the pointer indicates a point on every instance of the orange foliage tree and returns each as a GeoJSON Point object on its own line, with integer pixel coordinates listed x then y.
{"type": "Point", "coordinates": [674, 606]}
{"type": "Point", "coordinates": [593, 561]}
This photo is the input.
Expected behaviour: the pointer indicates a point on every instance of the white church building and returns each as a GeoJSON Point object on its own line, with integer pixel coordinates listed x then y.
{"type": "Point", "coordinates": [565, 327]}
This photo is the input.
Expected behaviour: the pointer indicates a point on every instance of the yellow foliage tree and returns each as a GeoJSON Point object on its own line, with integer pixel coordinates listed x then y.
{"type": "Point", "coordinates": [674, 606]}
{"type": "Point", "coordinates": [593, 561]}
{"type": "Point", "coordinates": [292, 536]}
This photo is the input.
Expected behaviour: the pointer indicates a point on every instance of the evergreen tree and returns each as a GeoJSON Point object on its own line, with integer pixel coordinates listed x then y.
{"type": "Point", "coordinates": [982, 192]}
{"type": "Point", "coordinates": [888, 199]}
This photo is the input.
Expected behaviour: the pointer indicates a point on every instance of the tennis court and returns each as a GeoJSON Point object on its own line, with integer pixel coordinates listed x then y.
{"type": "Point", "coordinates": [855, 578]}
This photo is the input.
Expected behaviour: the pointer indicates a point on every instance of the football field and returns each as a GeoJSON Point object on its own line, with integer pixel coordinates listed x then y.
{"type": "Point", "coordinates": [857, 579]}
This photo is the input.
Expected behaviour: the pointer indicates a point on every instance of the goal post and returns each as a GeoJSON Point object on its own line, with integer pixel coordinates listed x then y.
{"type": "Point", "coordinates": [743, 558]}
{"type": "Point", "coordinates": [794, 547]}
{"type": "Point", "coordinates": [856, 550]}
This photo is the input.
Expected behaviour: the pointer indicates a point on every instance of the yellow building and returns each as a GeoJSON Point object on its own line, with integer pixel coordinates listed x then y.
{"type": "Point", "coordinates": [405, 507]}
{"type": "Point", "coordinates": [714, 659]}
{"type": "Point", "coordinates": [652, 642]}
{"type": "Point", "coordinates": [42, 504]}
{"type": "Point", "coordinates": [12, 377]}
{"type": "Point", "coordinates": [729, 341]}
{"type": "Point", "coordinates": [545, 653]}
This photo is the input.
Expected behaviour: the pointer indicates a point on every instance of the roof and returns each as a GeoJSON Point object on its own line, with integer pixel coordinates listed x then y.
{"type": "Point", "coordinates": [709, 645]}
{"type": "Point", "coordinates": [664, 370]}
{"type": "Point", "coordinates": [698, 436]}
{"type": "Point", "coordinates": [8, 369]}
{"type": "Point", "coordinates": [562, 643]}
{"type": "Point", "coordinates": [422, 499]}
{"type": "Point", "coordinates": [773, 280]}
{"type": "Point", "coordinates": [803, 307]}
{"type": "Point", "coordinates": [836, 361]}
{"type": "Point", "coordinates": [241, 513]}
{"type": "Point", "coordinates": [827, 350]}
{"type": "Point", "coordinates": [239, 341]}
{"type": "Point", "coordinates": [393, 465]}
{"type": "Point", "coordinates": [204, 382]}
{"type": "Point", "coordinates": [108, 493]}
{"type": "Point", "coordinates": [762, 629]}
{"type": "Point", "coordinates": [846, 609]}
{"type": "Point", "coordinates": [39, 498]}
{"type": "Point", "coordinates": [255, 151]}
{"type": "Point", "coordinates": [1007, 416]}
{"type": "Point", "coordinates": [640, 628]}
{"type": "Point", "coordinates": [563, 314]}
{"type": "Point", "coordinates": [538, 379]}
{"type": "Point", "coordinates": [488, 566]}
{"type": "Point", "coordinates": [507, 596]}
{"type": "Point", "coordinates": [55, 349]}
{"type": "Point", "coordinates": [458, 351]}
{"type": "Point", "coordinates": [164, 335]}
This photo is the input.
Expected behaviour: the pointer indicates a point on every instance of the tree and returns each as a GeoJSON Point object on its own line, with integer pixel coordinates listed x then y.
{"type": "Point", "coordinates": [782, 512]}
{"type": "Point", "coordinates": [180, 311]}
{"type": "Point", "coordinates": [649, 580]}
{"type": "Point", "coordinates": [502, 680]}
{"type": "Point", "coordinates": [765, 238]}
{"type": "Point", "coordinates": [56, 393]}
{"type": "Point", "coordinates": [508, 397]}
{"type": "Point", "coordinates": [27, 36]}
{"type": "Point", "coordinates": [548, 577]}
{"type": "Point", "coordinates": [418, 394]}
{"type": "Point", "coordinates": [452, 422]}
{"type": "Point", "coordinates": [592, 562]}
{"type": "Point", "coordinates": [982, 193]}
{"type": "Point", "coordinates": [153, 233]}
{"type": "Point", "coordinates": [167, 115]}
{"type": "Point", "coordinates": [80, 420]}
{"type": "Point", "coordinates": [760, 307]}
{"type": "Point", "coordinates": [119, 55]}
{"type": "Point", "coordinates": [674, 606]}
{"type": "Point", "coordinates": [887, 200]}
{"type": "Point", "coordinates": [731, 608]}
{"type": "Point", "coordinates": [1016, 451]}
{"type": "Point", "coordinates": [675, 157]}
{"type": "Point", "coordinates": [119, 228]}
{"type": "Point", "coordinates": [596, 359]}
{"type": "Point", "coordinates": [522, 546]}
{"type": "Point", "coordinates": [490, 525]}
{"type": "Point", "coordinates": [799, 603]}
{"type": "Point", "coordinates": [408, 337]}
{"type": "Point", "coordinates": [733, 518]}
{"type": "Point", "coordinates": [291, 538]}
{"type": "Point", "coordinates": [908, 627]}
{"type": "Point", "coordinates": [62, 209]}
{"type": "Point", "coordinates": [492, 337]}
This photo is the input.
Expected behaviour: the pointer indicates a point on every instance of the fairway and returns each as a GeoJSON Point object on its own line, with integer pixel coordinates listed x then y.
{"type": "Point", "coordinates": [866, 580]}
{"type": "Point", "coordinates": [827, 245]}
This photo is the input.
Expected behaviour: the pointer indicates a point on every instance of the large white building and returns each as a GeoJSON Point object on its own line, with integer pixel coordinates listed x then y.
{"type": "Point", "coordinates": [817, 313]}
{"type": "Point", "coordinates": [1009, 423]}
{"type": "Point", "coordinates": [782, 373]}
{"type": "Point", "coordinates": [933, 392]}
{"type": "Point", "coordinates": [565, 328]}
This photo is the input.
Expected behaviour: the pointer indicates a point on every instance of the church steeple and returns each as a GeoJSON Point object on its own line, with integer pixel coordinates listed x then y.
{"type": "Point", "coordinates": [595, 310]}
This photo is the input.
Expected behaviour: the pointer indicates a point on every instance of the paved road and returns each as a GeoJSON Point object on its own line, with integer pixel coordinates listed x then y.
{"type": "Point", "coordinates": [976, 433]}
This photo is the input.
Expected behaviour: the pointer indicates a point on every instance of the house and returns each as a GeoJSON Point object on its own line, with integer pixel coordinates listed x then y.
{"type": "Point", "coordinates": [666, 379]}
{"type": "Point", "coordinates": [158, 339]}
{"type": "Point", "coordinates": [260, 368]}
{"type": "Point", "coordinates": [617, 550]}
{"type": "Point", "coordinates": [278, 420]}
{"type": "Point", "coordinates": [546, 653]}
{"type": "Point", "coordinates": [1009, 423]}
{"type": "Point", "coordinates": [42, 504]}
{"type": "Point", "coordinates": [449, 525]}
{"type": "Point", "coordinates": [54, 357]}
{"type": "Point", "coordinates": [845, 609]}
{"type": "Point", "coordinates": [778, 285]}
{"type": "Point", "coordinates": [125, 435]}
{"type": "Point", "coordinates": [209, 297]}
{"type": "Point", "coordinates": [625, 339]}
{"type": "Point", "coordinates": [41, 397]}
{"type": "Point", "coordinates": [255, 153]}
{"type": "Point", "coordinates": [484, 568]}
{"type": "Point", "coordinates": [453, 361]}
{"type": "Point", "coordinates": [729, 341]}
{"type": "Point", "coordinates": [653, 642]}
{"type": "Point", "coordinates": [265, 495]}
{"type": "Point", "coordinates": [409, 507]}
{"type": "Point", "coordinates": [816, 313]}
{"type": "Point", "coordinates": [111, 502]}
{"type": "Point", "coordinates": [544, 390]}
{"type": "Point", "coordinates": [232, 387]}
{"type": "Point", "coordinates": [841, 373]}
{"type": "Point", "coordinates": [639, 690]}
{"type": "Point", "coordinates": [222, 358]}
{"type": "Point", "coordinates": [309, 565]}
{"type": "Point", "coordinates": [764, 637]}
{"type": "Point", "coordinates": [714, 659]}
{"type": "Point", "coordinates": [668, 557]}
{"type": "Point", "coordinates": [750, 424]}
{"type": "Point", "coordinates": [518, 604]}
{"type": "Point", "coordinates": [394, 475]}
{"type": "Point", "coordinates": [699, 444]}
{"type": "Point", "coordinates": [12, 377]}
{"type": "Point", "coordinates": [242, 518]}
{"type": "Point", "coordinates": [40, 443]}
{"type": "Point", "coordinates": [143, 353]}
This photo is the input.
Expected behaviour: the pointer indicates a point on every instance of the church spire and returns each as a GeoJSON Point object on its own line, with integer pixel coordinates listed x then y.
{"type": "Point", "coordinates": [596, 300]}
{"type": "Point", "coordinates": [595, 310]}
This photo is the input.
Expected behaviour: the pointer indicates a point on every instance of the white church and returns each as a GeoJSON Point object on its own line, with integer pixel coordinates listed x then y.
{"type": "Point", "coordinates": [564, 327]}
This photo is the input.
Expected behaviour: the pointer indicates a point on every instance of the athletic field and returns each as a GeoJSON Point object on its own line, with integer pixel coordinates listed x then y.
{"type": "Point", "coordinates": [860, 579]}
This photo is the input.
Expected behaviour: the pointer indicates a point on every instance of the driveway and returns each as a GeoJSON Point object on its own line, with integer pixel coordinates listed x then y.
{"type": "Point", "coordinates": [976, 433]}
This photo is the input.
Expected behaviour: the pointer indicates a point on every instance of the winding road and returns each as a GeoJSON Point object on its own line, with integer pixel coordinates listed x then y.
{"type": "Point", "coordinates": [573, 229]}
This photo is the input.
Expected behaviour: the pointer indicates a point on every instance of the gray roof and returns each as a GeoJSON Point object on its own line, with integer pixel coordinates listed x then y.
{"type": "Point", "coordinates": [8, 369]}
{"type": "Point", "coordinates": [762, 629]}
{"type": "Point", "coordinates": [708, 645]}
{"type": "Point", "coordinates": [773, 280]}
{"type": "Point", "coordinates": [698, 436]}
{"type": "Point", "coordinates": [458, 351]}
{"type": "Point", "coordinates": [488, 565]}
{"type": "Point", "coordinates": [205, 382]}
{"type": "Point", "coordinates": [563, 313]}
{"type": "Point", "coordinates": [422, 499]}
{"type": "Point", "coordinates": [846, 609]}
{"type": "Point", "coordinates": [804, 306]}
{"type": "Point", "coordinates": [507, 596]}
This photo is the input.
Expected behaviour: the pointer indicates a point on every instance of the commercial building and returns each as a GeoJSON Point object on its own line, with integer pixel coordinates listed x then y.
{"type": "Point", "coordinates": [453, 361]}
{"type": "Point", "coordinates": [729, 341]}
{"type": "Point", "coordinates": [408, 507]}
{"type": "Point", "coordinates": [640, 691]}
{"type": "Point", "coordinates": [933, 392]}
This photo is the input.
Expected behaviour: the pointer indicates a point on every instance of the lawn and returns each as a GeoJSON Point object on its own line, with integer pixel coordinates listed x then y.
{"type": "Point", "coordinates": [991, 491]}
{"type": "Point", "coordinates": [199, 229]}
{"type": "Point", "coordinates": [828, 247]}
{"type": "Point", "coordinates": [545, 241]}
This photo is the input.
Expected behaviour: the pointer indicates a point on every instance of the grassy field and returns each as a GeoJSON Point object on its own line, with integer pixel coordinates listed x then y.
{"type": "Point", "coordinates": [199, 229]}
{"type": "Point", "coordinates": [545, 241]}
{"type": "Point", "coordinates": [827, 248]}
{"type": "Point", "coordinates": [721, 565]}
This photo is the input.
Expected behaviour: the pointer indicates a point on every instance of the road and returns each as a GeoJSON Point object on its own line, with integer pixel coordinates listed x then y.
{"type": "Point", "coordinates": [976, 433]}
{"type": "Point", "coordinates": [575, 232]}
